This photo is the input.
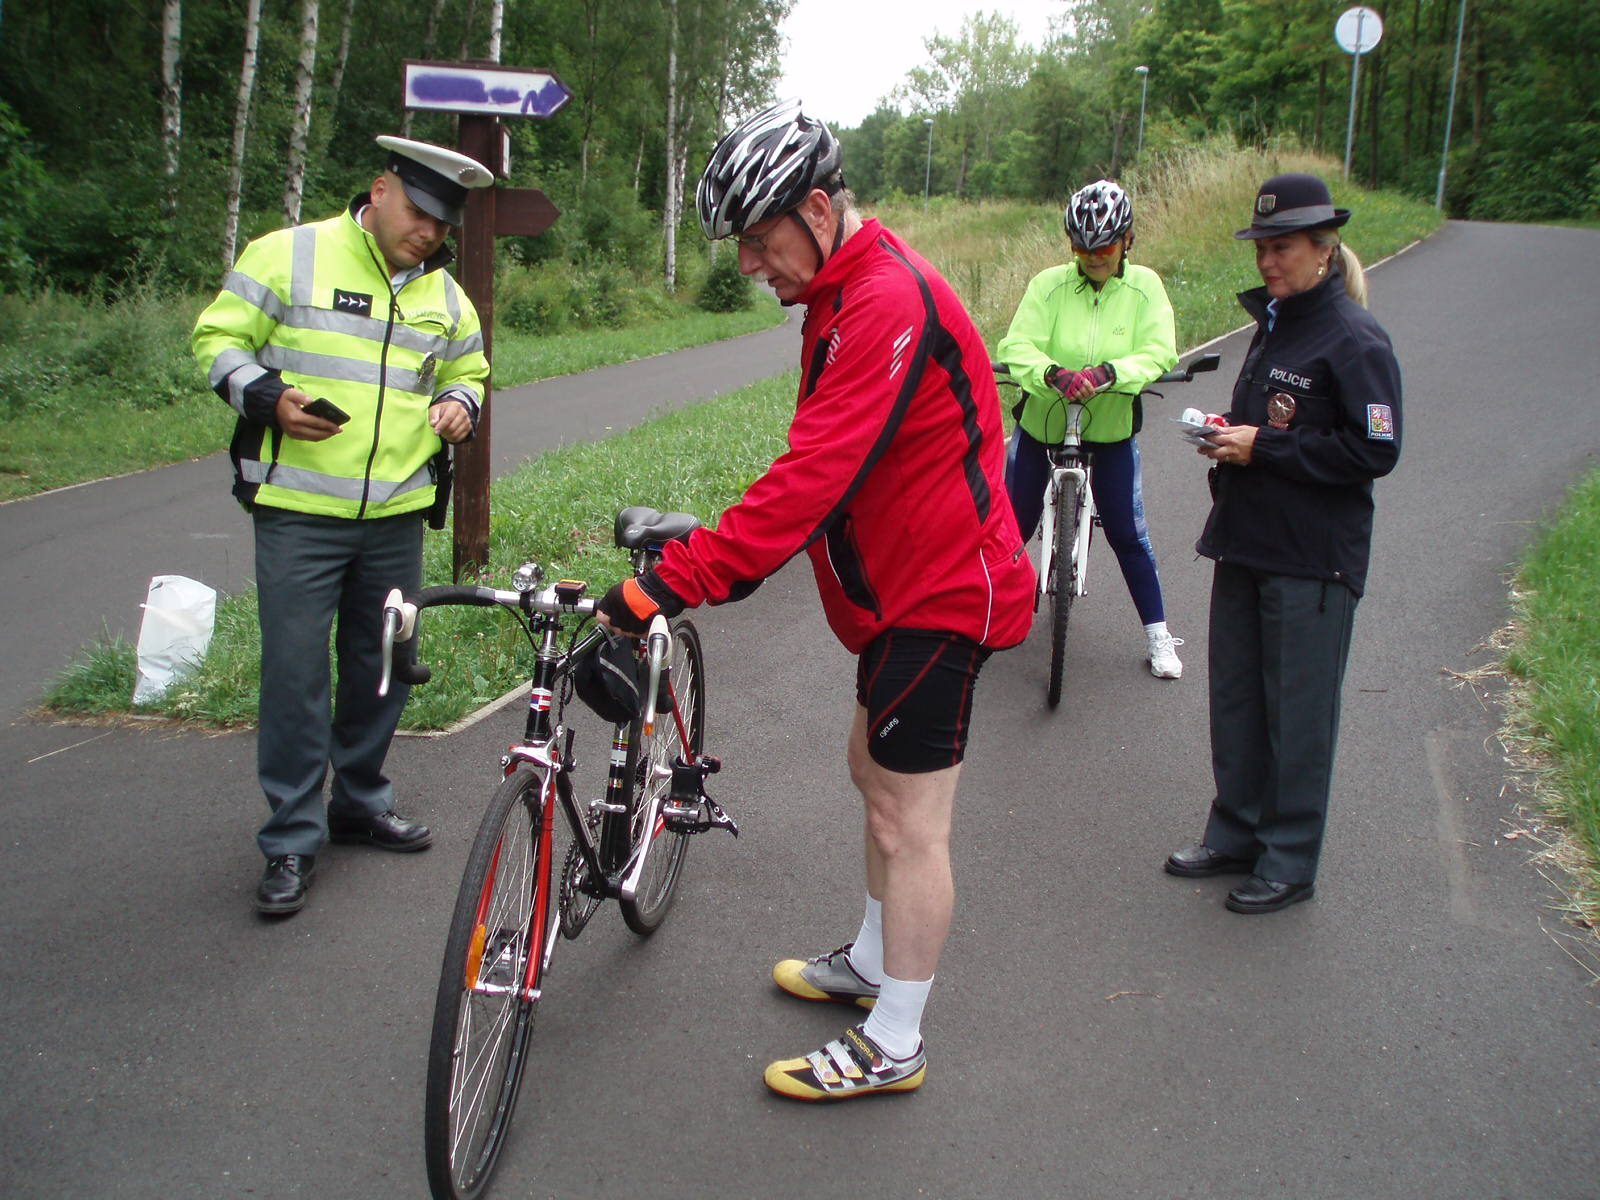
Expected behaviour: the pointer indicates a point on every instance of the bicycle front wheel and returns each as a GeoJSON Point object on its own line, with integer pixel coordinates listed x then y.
{"type": "Point", "coordinates": [679, 726]}
{"type": "Point", "coordinates": [1063, 581]}
{"type": "Point", "coordinates": [483, 1015]}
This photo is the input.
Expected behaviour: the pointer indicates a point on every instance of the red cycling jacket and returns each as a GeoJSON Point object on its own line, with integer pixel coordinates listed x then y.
{"type": "Point", "coordinates": [894, 480]}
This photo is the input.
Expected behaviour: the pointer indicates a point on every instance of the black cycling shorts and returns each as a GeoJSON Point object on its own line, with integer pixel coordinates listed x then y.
{"type": "Point", "coordinates": [916, 685]}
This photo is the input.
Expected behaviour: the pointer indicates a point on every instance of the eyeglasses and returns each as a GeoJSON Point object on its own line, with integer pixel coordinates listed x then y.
{"type": "Point", "coordinates": [753, 241]}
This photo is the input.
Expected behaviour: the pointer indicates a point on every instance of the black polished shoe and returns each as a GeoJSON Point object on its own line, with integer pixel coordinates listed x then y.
{"type": "Point", "coordinates": [1203, 860]}
{"type": "Point", "coordinates": [1258, 895]}
{"type": "Point", "coordinates": [283, 885]}
{"type": "Point", "coordinates": [387, 831]}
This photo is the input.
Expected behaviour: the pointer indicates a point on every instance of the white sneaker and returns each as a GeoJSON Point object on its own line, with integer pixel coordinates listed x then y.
{"type": "Point", "coordinates": [1164, 661]}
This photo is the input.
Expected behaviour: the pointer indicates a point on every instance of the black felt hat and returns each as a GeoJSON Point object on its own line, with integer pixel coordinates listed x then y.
{"type": "Point", "coordinates": [1290, 204]}
{"type": "Point", "coordinates": [435, 179]}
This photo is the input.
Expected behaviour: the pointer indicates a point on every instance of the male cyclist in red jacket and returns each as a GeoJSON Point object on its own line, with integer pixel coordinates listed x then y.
{"type": "Point", "coordinates": [894, 484]}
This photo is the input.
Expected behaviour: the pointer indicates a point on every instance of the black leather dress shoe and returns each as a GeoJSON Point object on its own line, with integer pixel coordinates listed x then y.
{"type": "Point", "coordinates": [386, 831]}
{"type": "Point", "coordinates": [1258, 895]}
{"type": "Point", "coordinates": [283, 884]}
{"type": "Point", "coordinates": [1203, 860]}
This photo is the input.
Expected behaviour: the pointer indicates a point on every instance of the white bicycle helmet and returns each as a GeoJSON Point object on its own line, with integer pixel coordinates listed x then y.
{"type": "Point", "coordinates": [764, 167]}
{"type": "Point", "coordinates": [1098, 215]}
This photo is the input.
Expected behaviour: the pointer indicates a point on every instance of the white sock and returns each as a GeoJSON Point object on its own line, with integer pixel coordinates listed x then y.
{"type": "Point", "coordinates": [866, 953]}
{"type": "Point", "coordinates": [896, 1020]}
{"type": "Point", "coordinates": [1154, 630]}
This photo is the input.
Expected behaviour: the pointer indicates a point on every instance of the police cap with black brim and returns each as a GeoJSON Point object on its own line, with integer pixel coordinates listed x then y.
{"type": "Point", "coordinates": [436, 180]}
{"type": "Point", "coordinates": [1292, 204]}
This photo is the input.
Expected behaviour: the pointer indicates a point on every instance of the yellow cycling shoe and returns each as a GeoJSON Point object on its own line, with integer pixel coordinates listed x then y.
{"type": "Point", "coordinates": [852, 1065]}
{"type": "Point", "coordinates": [826, 977]}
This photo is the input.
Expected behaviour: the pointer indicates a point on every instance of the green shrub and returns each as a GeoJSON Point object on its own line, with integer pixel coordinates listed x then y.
{"type": "Point", "coordinates": [724, 288]}
{"type": "Point", "coordinates": [533, 300]}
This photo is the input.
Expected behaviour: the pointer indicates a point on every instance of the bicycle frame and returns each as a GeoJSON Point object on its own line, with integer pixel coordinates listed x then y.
{"type": "Point", "coordinates": [546, 747]}
{"type": "Point", "coordinates": [1069, 462]}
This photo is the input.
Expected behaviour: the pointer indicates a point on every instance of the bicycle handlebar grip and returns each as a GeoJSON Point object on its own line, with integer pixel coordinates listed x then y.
{"type": "Point", "coordinates": [406, 667]}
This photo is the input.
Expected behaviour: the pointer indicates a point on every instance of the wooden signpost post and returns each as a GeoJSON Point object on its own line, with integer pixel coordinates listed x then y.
{"type": "Point", "coordinates": [480, 94]}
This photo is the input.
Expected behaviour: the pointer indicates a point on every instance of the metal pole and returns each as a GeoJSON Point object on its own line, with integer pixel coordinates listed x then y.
{"type": "Point", "coordinates": [1144, 89]}
{"type": "Point", "coordinates": [1450, 109]}
{"type": "Point", "coordinates": [1355, 76]}
{"type": "Point", "coordinates": [927, 175]}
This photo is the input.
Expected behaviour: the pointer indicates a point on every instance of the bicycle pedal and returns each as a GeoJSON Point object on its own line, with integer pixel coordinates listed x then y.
{"type": "Point", "coordinates": [606, 806]}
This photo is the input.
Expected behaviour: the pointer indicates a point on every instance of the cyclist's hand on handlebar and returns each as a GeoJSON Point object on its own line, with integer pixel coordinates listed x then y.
{"type": "Point", "coordinates": [1091, 380]}
{"type": "Point", "coordinates": [628, 606]}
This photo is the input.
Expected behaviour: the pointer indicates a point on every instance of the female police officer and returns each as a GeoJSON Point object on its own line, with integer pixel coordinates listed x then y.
{"type": "Point", "coordinates": [1315, 419]}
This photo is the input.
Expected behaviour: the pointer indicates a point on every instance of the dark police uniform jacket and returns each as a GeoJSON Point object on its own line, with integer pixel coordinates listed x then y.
{"type": "Point", "coordinates": [1324, 388]}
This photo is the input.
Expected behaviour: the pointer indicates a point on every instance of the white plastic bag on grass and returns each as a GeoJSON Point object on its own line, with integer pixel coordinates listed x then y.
{"type": "Point", "coordinates": [178, 616]}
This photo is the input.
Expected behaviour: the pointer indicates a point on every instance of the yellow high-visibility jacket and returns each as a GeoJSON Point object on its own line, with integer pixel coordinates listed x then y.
{"type": "Point", "coordinates": [314, 307]}
{"type": "Point", "coordinates": [1063, 321]}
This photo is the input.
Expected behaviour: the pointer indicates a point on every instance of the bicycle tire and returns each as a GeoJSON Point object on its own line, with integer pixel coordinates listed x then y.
{"type": "Point", "coordinates": [1064, 583]}
{"type": "Point", "coordinates": [650, 769]}
{"type": "Point", "coordinates": [496, 927]}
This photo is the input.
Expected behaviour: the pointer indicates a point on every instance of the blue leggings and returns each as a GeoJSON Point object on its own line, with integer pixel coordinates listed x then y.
{"type": "Point", "coordinates": [1118, 497]}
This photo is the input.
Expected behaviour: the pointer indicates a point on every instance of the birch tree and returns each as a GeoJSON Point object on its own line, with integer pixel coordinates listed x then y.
{"type": "Point", "coordinates": [300, 127]}
{"type": "Point", "coordinates": [241, 127]}
{"type": "Point", "coordinates": [171, 98]}
{"type": "Point", "coordinates": [669, 205]}
{"type": "Point", "coordinates": [430, 43]}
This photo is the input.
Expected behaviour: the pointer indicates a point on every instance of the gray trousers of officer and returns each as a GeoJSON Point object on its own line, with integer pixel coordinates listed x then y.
{"type": "Point", "coordinates": [1277, 658]}
{"type": "Point", "coordinates": [308, 570]}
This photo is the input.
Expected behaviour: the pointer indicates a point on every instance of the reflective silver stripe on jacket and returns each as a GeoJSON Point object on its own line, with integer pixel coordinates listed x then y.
{"type": "Point", "coordinates": [254, 293]}
{"type": "Point", "coordinates": [315, 483]}
{"type": "Point", "coordinates": [240, 369]}
{"type": "Point", "coordinates": [303, 266]}
{"type": "Point", "coordinates": [346, 370]}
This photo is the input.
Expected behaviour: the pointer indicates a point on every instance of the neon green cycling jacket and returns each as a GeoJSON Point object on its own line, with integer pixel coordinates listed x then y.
{"type": "Point", "coordinates": [1063, 321]}
{"type": "Point", "coordinates": [313, 307]}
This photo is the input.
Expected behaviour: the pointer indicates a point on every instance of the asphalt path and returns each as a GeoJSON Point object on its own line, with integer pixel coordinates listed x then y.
{"type": "Point", "coordinates": [1099, 1029]}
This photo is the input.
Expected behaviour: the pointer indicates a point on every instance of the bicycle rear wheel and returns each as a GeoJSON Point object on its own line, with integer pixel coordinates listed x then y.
{"type": "Point", "coordinates": [650, 769]}
{"type": "Point", "coordinates": [1063, 581]}
{"type": "Point", "coordinates": [483, 1015]}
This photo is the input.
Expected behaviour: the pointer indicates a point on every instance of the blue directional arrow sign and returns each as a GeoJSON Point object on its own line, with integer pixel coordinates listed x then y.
{"type": "Point", "coordinates": [494, 91]}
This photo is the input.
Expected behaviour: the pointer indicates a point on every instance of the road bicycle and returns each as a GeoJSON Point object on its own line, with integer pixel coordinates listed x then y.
{"type": "Point", "coordinates": [628, 845]}
{"type": "Point", "coordinates": [1070, 518]}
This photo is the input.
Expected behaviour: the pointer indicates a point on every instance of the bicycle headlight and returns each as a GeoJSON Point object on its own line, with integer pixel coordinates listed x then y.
{"type": "Point", "coordinates": [527, 577]}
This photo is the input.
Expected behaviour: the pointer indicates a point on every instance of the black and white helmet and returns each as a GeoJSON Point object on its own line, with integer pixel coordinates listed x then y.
{"type": "Point", "coordinates": [1098, 215]}
{"type": "Point", "coordinates": [764, 167]}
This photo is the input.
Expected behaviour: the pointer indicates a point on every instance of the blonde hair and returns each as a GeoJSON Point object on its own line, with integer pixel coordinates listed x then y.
{"type": "Point", "coordinates": [1355, 277]}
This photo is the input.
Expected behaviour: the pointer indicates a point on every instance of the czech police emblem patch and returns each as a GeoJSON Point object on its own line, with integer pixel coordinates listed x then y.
{"type": "Point", "coordinates": [1380, 422]}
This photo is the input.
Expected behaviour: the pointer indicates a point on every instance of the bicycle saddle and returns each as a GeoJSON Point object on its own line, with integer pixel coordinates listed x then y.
{"type": "Point", "coordinates": [639, 526]}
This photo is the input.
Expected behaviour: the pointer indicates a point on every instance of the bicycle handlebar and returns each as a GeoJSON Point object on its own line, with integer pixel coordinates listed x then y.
{"type": "Point", "coordinates": [1206, 362]}
{"type": "Point", "coordinates": [401, 613]}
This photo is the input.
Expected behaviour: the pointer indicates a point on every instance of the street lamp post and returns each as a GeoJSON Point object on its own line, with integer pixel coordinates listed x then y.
{"type": "Point", "coordinates": [1450, 108]}
{"type": "Point", "coordinates": [927, 174]}
{"type": "Point", "coordinates": [1144, 89]}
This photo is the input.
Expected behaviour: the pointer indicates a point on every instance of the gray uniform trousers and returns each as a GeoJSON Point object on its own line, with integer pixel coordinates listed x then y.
{"type": "Point", "coordinates": [309, 569]}
{"type": "Point", "coordinates": [1277, 658]}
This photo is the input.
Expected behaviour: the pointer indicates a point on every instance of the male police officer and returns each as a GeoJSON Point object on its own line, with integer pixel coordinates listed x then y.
{"type": "Point", "coordinates": [351, 356]}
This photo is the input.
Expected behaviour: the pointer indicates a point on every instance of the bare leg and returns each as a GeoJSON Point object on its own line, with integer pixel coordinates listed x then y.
{"type": "Point", "coordinates": [907, 856]}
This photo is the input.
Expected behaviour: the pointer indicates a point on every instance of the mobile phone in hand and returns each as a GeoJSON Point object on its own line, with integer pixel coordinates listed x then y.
{"type": "Point", "coordinates": [327, 410]}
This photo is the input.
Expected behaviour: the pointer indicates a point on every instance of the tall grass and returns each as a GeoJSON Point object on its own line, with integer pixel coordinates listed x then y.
{"type": "Point", "coordinates": [1187, 204]}
{"type": "Point", "coordinates": [1556, 658]}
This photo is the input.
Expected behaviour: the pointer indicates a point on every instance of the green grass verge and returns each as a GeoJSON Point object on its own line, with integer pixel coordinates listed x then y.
{"type": "Point", "coordinates": [1555, 659]}
{"type": "Point", "coordinates": [557, 510]}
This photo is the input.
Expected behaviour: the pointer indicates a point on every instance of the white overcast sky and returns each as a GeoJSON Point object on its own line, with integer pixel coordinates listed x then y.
{"type": "Point", "coordinates": [840, 56]}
